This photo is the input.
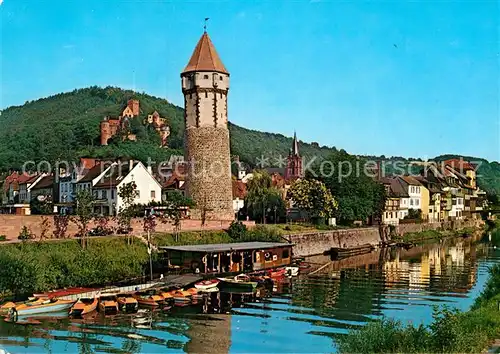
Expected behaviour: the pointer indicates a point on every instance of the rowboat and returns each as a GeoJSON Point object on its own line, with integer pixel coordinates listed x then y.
{"type": "Point", "coordinates": [277, 273]}
{"type": "Point", "coordinates": [5, 308]}
{"type": "Point", "coordinates": [206, 284]}
{"type": "Point", "coordinates": [44, 306]}
{"type": "Point", "coordinates": [108, 303]}
{"type": "Point", "coordinates": [149, 299]}
{"type": "Point", "coordinates": [241, 281]}
{"type": "Point", "coordinates": [181, 296]}
{"type": "Point", "coordinates": [192, 291]}
{"type": "Point", "coordinates": [126, 302]}
{"type": "Point", "coordinates": [84, 306]}
{"type": "Point", "coordinates": [63, 292]}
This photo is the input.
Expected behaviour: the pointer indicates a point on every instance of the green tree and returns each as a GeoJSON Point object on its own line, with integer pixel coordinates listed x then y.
{"type": "Point", "coordinates": [127, 193]}
{"type": "Point", "coordinates": [84, 214]}
{"type": "Point", "coordinates": [358, 194]}
{"type": "Point", "coordinates": [175, 202]}
{"type": "Point", "coordinates": [263, 199]}
{"type": "Point", "coordinates": [312, 197]}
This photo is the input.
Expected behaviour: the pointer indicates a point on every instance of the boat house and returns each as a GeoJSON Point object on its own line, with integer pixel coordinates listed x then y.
{"type": "Point", "coordinates": [228, 257]}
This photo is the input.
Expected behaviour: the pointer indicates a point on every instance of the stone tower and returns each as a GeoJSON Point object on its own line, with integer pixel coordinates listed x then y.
{"type": "Point", "coordinates": [294, 161]}
{"type": "Point", "coordinates": [205, 84]}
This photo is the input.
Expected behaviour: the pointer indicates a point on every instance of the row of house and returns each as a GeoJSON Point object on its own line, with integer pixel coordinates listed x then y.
{"type": "Point", "coordinates": [443, 191]}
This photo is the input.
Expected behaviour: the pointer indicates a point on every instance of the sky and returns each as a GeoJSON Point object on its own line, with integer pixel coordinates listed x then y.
{"type": "Point", "coordinates": [413, 79]}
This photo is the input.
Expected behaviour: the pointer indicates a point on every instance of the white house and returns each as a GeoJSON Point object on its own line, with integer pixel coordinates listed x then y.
{"type": "Point", "coordinates": [412, 187]}
{"type": "Point", "coordinates": [105, 191]}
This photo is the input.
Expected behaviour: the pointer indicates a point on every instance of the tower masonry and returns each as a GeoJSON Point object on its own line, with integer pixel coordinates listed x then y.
{"type": "Point", "coordinates": [205, 84]}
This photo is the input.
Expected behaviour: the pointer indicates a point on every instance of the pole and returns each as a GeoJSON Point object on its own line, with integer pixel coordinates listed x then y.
{"type": "Point", "coordinates": [150, 259]}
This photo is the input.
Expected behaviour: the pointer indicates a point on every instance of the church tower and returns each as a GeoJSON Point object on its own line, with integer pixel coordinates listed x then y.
{"type": "Point", "coordinates": [205, 84]}
{"type": "Point", "coordinates": [294, 161]}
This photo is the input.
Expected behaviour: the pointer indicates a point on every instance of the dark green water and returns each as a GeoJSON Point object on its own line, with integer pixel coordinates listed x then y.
{"type": "Point", "coordinates": [304, 314]}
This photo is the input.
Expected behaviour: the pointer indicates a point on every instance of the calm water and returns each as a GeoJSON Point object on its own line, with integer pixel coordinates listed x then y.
{"type": "Point", "coordinates": [304, 314]}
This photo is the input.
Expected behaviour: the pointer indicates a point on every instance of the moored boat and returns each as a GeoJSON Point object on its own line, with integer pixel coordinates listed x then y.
{"type": "Point", "coordinates": [127, 302]}
{"type": "Point", "coordinates": [149, 298]}
{"type": "Point", "coordinates": [63, 292]}
{"type": "Point", "coordinates": [206, 284]}
{"type": "Point", "coordinates": [108, 303]}
{"type": "Point", "coordinates": [241, 281]}
{"type": "Point", "coordinates": [277, 273]}
{"type": "Point", "coordinates": [44, 306]}
{"type": "Point", "coordinates": [84, 306]}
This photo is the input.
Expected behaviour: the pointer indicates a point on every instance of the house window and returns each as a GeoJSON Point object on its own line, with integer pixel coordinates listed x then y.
{"type": "Point", "coordinates": [112, 194]}
{"type": "Point", "coordinates": [220, 78]}
{"type": "Point", "coordinates": [411, 202]}
{"type": "Point", "coordinates": [104, 194]}
{"type": "Point", "coordinates": [153, 194]}
{"type": "Point", "coordinates": [286, 253]}
{"type": "Point", "coordinates": [417, 202]}
{"type": "Point", "coordinates": [205, 77]}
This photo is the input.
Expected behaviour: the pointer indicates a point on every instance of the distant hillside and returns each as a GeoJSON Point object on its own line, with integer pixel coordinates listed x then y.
{"type": "Point", "coordinates": [66, 126]}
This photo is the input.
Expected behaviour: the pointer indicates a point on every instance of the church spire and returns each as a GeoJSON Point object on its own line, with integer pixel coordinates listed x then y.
{"type": "Point", "coordinates": [295, 145]}
{"type": "Point", "coordinates": [205, 57]}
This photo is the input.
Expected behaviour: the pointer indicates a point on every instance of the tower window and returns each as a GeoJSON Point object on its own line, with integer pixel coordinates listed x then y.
{"type": "Point", "coordinates": [220, 78]}
{"type": "Point", "coordinates": [206, 94]}
{"type": "Point", "coordinates": [205, 76]}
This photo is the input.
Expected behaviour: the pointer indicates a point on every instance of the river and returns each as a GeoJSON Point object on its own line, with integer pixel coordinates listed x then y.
{"type": "Point", "coordinates": [303, 314]}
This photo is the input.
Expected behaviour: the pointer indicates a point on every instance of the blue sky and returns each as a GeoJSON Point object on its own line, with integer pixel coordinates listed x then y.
{"type": "Point", "coordinates": [381, 77]}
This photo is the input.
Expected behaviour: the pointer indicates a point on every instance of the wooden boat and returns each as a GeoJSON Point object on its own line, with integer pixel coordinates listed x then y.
{"type": "Point", "coordinates": [206, 284]}
{"type": "Point", "coordinates": [43, 306]}
{"type": "Point", "coordinates": [127, 302]}
{"type": "Point", "coordinates": [63, 292]}
{"type": "Point", "coordinates": [84, 306]}
{"type": "Point", "coordinates": [149, 298]}
{"type": "Point", "coordinates": [277, 273]}
{"type": "Point", "coordinates": [181, 296]}
{"type": "Point", "coordinates": [242, 282]}
{"type": "Point", "coordinates": [5, 308]}
{"type": "Point", "coordinates": [192, 291]}
{"type": "Point", "coordinates": [108, 303]}
{"type": "Point", "coordinates": [339, 253]}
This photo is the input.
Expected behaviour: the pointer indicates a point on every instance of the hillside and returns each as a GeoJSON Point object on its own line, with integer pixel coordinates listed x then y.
{"type": "Point", "coordinates": [66, 126]}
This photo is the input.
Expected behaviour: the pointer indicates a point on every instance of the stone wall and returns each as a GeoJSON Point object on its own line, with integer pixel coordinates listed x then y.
{"type": "Point", "coordinates": [208, 180]}
{"type": "Point", "coordinates": [10, 225]}
{"type": "Point", "coordinates": [313, 243]}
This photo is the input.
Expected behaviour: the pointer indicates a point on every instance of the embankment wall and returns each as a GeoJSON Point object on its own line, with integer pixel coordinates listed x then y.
{"type": "Point", "coordinates": [314, 243]}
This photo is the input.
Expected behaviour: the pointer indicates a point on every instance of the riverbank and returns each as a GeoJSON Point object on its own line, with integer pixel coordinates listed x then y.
{"type": "Point", "coordinates": [451, 331]}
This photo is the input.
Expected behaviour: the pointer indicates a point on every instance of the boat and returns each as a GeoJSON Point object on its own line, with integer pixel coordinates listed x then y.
{"type": "Point", "coordinates": [240, 282]}
{"type": "Point", "coordinates": [84, 306]}
{"type": "Point", "coordinates": [5, 308]}
{"type": "Point", "coordinates": [149, 298]}
{"type": "Point", "coordinates": [192, 291]}
{"type": "Point", "coordinates": [108, 303]}
{"type": "Point", "coordinates": [127, 302]}
{"type": "Point", "coordinates": [206, 284]}
{"type": "Point", "coordinates": [43, 306]}
{"type": "Point", "coordinates": [63, 292]}
{"type": "Point", "coordinates": [292, 271]}
{"type": "Point", "coordinates": [277, 273]}
{"type": "Point", "coordinates": [336, 253]}
{"type": "Point", "coordinates": [181, 296]}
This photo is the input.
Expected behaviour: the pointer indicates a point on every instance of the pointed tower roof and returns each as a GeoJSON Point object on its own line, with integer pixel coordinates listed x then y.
{"type": "Point", "coordinates": [205, 57]}
{"type": "Point", "coordinates": [295, 145]}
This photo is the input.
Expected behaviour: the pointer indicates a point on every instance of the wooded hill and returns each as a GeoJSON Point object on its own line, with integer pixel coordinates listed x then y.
{"type": "Point", "coordinates": [66, 126]}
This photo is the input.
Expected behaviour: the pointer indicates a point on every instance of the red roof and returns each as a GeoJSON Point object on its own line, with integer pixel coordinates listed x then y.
{"type": "Point", "coordinates": [205, 57]}
{"type": "Point", "coordinates": [459, 164]}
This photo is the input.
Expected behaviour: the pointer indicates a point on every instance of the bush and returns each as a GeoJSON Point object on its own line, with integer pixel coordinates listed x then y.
{"type": "Point", "coordinates": [492, 287]}
{"type": "Point", "coordinates": [25, 234]}
{"type": "Point", "coordinates": [3, 238]}
{"type": "Point", "coordinates": [237, 230]}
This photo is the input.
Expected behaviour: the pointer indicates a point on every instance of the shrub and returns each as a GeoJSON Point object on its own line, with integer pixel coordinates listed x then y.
{"type": "Point", "coordinates": [3, 238]}
{"type": "Point", "coordinates": [25, 234]}
{"type": "Point", "coordinates": [237, 230]}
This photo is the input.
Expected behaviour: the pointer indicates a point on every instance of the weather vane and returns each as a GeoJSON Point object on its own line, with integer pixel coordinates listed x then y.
{"type": "Point", "coordinates": [205, 26]}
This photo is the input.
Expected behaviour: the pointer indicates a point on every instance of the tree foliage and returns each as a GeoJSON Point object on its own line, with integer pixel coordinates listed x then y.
{"type": "Point", "coordinates": [262, 198]}
{"type": "Point", "coordinates": [127, 194]}
{"type": "Point", "coordinates": [358, 195]}
{"type": "Point", "coordinates": [312, 196]}
{"type": "Point", "coordinates": [84, 214]}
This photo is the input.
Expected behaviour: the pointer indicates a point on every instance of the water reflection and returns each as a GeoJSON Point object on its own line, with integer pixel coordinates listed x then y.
{"type": "Point", "coordinates": [303, 314]}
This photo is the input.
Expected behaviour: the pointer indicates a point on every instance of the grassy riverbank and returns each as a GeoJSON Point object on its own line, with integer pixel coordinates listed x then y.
{"type": "Point", "coordinates": [450, 332]}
